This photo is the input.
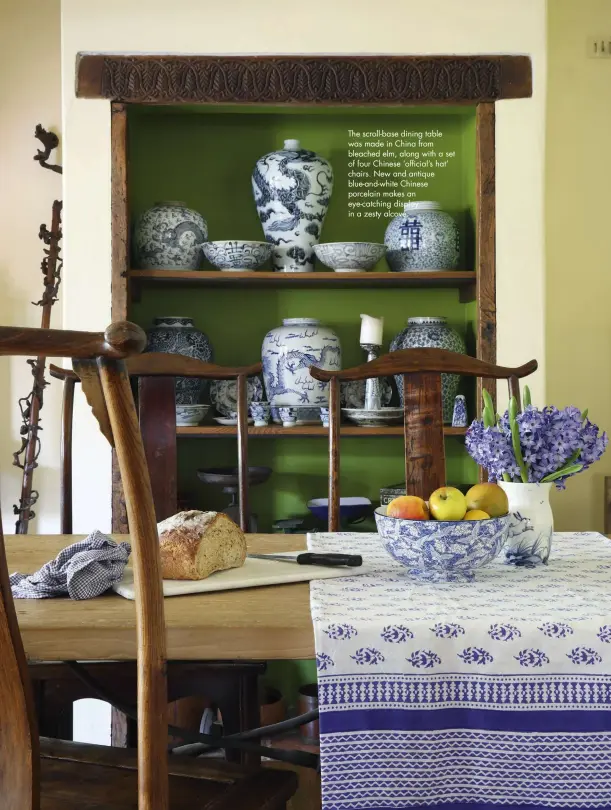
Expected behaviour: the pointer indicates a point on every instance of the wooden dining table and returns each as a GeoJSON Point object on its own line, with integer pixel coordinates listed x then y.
{"type": "Point", "coordinates": [264, 623]}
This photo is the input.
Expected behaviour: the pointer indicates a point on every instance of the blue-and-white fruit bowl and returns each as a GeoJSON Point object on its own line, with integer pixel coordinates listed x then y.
{"type": "Point", "coordinates": [350, 257]}
{"type": "Point", "coordinates": [446, 550]}
{"type": "Point", "coordinates": [232, 254]}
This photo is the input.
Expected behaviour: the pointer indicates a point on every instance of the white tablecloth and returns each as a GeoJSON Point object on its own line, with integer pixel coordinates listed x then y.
{"type": "Point", "coordinates": [493, 693]}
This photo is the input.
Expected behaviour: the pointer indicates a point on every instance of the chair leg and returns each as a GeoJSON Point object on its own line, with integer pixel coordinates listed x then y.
{"type": "Point", "coordinates": [240, 712]}
{"type": "Point", "coordinates": [123, 730]}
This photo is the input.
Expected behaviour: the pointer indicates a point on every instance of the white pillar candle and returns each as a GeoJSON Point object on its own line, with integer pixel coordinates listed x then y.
{"type": "Point", "coordinates": [371, 330]}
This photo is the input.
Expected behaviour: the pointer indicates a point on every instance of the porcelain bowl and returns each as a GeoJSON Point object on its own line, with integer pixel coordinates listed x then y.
{"type": "Point", "coordinates": [190, 415]}
{"type": "Point", "coordinates": [235, 255]}
{"type": "Point", "coordinates": [350, 257]}
{"type": "Point", "coordinates": [447, 550]}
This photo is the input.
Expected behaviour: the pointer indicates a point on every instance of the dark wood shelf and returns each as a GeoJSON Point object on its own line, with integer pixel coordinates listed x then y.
{"type": "Point", "coordinates": [303, 431]}
{"type": "Point", "coordinates": [463, 280]}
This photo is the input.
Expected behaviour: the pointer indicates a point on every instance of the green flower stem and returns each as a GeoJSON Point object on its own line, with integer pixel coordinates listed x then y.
{"type": "Point", "coordinates": [584, 415]}
{"type": "Point", "coordinates": [575, 468]}
{"type": "Point", "coordinates": [488, 414]}
{"type": "Point", "coordinates": [526, 397]}
{"type": "Point", "coordinates": [515, 439]}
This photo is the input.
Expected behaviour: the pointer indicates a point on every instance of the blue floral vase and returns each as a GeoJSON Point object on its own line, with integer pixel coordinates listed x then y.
{"type": "Point", "coordinates": [292, 188]}
{"type": "Point", "coordinates": [288, 352]}
{"type": "Point", "coordinates": [175, 334]}
{"type": "Point", "coordinates": [169, 237]}
{"type": "Point", "coordinates": [422, 238]}
{"type": "Point", "coordinates": [532, 523]}
{"type": "Point", "coordinates": [432, 333]}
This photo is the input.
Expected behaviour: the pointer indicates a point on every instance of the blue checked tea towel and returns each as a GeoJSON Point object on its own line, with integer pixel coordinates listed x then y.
{"type": "Point", "coordinates": [80, 571]}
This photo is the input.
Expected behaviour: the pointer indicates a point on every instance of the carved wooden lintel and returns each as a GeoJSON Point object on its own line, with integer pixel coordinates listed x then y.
{"type": "Point", "coordinates": [366, 80]}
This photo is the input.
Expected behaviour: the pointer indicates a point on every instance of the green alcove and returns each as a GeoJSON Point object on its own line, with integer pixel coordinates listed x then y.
{"type": "Point", "coordinates": [205, 156]}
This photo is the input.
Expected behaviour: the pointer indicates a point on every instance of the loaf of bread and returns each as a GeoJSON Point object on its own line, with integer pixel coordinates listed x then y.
{"type": "Point", "coordinates": [196, 544]}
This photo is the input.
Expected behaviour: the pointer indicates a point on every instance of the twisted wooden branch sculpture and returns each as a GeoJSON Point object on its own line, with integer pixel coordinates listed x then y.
{"type": "Point", "coordinates": [30, 406]}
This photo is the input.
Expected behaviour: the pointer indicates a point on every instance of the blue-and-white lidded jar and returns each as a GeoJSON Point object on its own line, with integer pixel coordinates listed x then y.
{"type": "Point", "coordinates": [287, 354]}
{"type": "Point", "coordinates": [432, 333]}
{"type": "Point", "coordinates": [422, 238]}
{"type": "Point", "coordinates": [169, 237]}
{"type": "Point", "coordinates": [292, 188]}
{"type": "Point", "coordinates": [176, 334]}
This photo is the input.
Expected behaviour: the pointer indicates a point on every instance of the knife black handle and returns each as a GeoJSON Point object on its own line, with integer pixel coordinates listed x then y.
{"type": "Point", "coordinates": [310, 558]}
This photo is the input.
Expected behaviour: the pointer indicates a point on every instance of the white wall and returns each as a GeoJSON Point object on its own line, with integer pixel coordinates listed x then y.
{"type": "Point", "coordinates": [30, 94]}
{"type": "Point", "coordinates": [343, 26]}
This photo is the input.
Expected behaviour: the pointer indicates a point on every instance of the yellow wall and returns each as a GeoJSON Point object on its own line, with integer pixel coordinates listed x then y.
{"type": "Point", "coordinates": [578, 234]}
{"type": "Point", "coordinates": [30, 93]}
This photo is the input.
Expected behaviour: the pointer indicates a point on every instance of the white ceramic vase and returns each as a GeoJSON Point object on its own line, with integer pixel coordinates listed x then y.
{"type": "Point", "coordinates": [288, 352]}
{"type": "Point", "coordinates": [530, 533]}
{"type": "Point", "coordinates": [292, 189]}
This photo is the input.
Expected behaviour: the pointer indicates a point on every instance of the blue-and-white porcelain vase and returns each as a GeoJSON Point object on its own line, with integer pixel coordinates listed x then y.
{"type": "Point", "coordinates": [175, 334]}
{"type": "Point", "coordinates": [432, 333]}
{"type": "Point", "coordinates": [292, 189]}
{"type": "Point", "coordinates": [288, 352]}
{"type": "Point", "coordinates": [422, 238]}
{"type": "Point", "coordinates": [532, 523]}
{"type": "Point", "coordinates": [169, 237]}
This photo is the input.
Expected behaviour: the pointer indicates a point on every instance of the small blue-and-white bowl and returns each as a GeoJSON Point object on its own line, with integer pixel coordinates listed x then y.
{"type": "Point", "coordinates": [350, 257]}
{"type": "Point", "coordinates": [447, 550]}
{"type": "Point", "coordinates": [233, 254]}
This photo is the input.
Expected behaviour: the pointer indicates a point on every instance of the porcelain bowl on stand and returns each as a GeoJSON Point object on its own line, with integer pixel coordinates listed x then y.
{"type": "Point", "coordinates": [350, 257]}
{"type": "Point", "coordinates": [236, 255]}
{"type": "Point", "coordinates": [442, 550]}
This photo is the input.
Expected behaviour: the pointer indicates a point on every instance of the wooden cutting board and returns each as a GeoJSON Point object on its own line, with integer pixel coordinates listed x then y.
{"type": "Point", "coordinates": [253, 574]}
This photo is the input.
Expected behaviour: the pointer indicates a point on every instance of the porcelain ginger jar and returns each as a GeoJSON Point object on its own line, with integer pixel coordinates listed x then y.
{"type": "Point", "coordinates": [422, 238]}
{"type": "Point", "coordinates": [432, 333]}
{"type": "Point", "coordinates": [292, 188]}
{"type": "Point", "coordinates": [176, 334]}
{"type": "Point", "coordinates": [288, 352]}
{"type": "Point", "coordinates": [169, 237]}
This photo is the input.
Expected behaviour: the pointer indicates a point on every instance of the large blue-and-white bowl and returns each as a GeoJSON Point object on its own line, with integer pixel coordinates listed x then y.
{"type": "Point", "coordinates": [350, 257]}
{"type": "Point", "coordinates": [447, 550]}
{"type": "Point", "coordinates": [232, 254]}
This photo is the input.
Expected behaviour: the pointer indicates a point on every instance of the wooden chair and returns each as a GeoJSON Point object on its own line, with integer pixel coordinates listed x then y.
{"type": "Point", "coordinates": [233, 686]}
{"type": "Point", "coordinates": [55, 775]}
{"type": "Point", "coordinates": [421, 370]}
{"type": "Point", "coordinates": [156, 372]}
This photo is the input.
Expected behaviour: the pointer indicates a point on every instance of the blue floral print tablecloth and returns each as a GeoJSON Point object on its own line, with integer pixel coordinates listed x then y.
{"type": "Point", "coordinates": [465, 696]}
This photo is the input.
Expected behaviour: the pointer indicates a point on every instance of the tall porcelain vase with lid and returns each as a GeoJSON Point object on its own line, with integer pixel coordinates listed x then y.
{"type": "Point", "coordinates": [532, 522]}
{"type": "Point", "coordinates": [292, 188]}
{"type": "Point", "coordinates": [287, 353]}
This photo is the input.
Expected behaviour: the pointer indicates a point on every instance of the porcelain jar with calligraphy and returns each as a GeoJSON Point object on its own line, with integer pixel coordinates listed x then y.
{"type": "Point", "coordinates": [287, 354]}
{"type": "Point", "coordinates": [169, 237]}
{"type": "Point", "coordinates": [292, 188]}
{"type": "Point", "coordinates": [422, 238]}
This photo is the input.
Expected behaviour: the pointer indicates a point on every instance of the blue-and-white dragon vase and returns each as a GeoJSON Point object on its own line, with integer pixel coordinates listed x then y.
{"type": "Point", "coordinates": [422, 238]}
{"type": "Point", "coordinates": [532, 523]}
{"type": "Point", "coordinates": [287, 354]}
{"type": "Point", "coordinates": [432, 333]}
{"type": "Point", "coordinates": [169, 237]}
{"type": "Point", "coordinates": [177, 335]}
{"type": "Point", "coordinates": [292, 188]}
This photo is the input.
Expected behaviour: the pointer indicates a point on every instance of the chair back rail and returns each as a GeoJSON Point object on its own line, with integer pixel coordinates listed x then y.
{"type": "Point", "coordinates": [19, 748]}
{"type": "Point", "coordinates": [420, 370]}
{"type": "Point", "coordinates": [156, 372]}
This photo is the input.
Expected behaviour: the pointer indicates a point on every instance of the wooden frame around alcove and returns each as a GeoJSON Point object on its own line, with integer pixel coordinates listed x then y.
{"type": "Point", "coordinates": [341, 80]}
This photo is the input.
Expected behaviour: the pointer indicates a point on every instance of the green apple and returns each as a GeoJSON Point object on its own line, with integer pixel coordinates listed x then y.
{"type": "Point", "coordinates": [448, 503]}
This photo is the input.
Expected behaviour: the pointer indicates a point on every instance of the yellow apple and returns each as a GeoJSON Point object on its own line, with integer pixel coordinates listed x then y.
{"type": "Point", "coordinates": [490, 498]}
{"type": "Point", "coordinates": [447, 503]}
{"type": "Point", "coordinates": [409, 507]}
{"type": "Point", "coordinates": [476, 514]}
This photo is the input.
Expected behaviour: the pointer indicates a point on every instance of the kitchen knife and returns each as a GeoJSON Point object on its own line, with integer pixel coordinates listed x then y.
{"type": "Point", "coordinates": [310, 558]}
